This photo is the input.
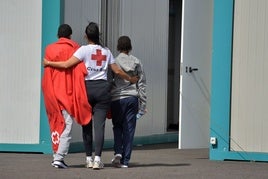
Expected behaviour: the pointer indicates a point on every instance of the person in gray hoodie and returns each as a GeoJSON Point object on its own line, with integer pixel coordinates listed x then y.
{"type": "Point", "coordinates": [128, 102]}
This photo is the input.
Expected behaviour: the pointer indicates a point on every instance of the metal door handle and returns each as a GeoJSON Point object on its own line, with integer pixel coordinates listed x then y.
{"type": "Point", "coordinates": [192, 69]}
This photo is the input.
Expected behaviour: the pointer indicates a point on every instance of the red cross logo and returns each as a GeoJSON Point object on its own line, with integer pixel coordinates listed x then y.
{"type": "Point", "coordinates": [55, 136]}
{"type": "Point", "coordinates": [98, 57]}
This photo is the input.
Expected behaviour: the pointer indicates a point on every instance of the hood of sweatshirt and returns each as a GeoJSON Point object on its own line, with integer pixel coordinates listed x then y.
{"type": "Point", "coordinates": [128, 63]}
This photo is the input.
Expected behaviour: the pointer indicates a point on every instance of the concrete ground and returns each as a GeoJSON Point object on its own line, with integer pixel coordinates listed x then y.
{"type": "Point", "coordinates": [148, 162]}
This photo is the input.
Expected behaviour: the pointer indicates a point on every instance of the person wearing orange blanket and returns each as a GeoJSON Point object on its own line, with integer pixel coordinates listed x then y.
{"type": "Point", "coordinates": [64, 95]}
{"type": "Point", "coordinates": [98, 59]}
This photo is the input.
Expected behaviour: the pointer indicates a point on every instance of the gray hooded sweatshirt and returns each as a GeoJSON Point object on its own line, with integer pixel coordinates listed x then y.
{"type": "Point", "coordinates": [122, 88]}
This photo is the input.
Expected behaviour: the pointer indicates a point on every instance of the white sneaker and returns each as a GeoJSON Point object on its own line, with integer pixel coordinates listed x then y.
{"type": "Point", "coordinates": [123, 166]}
{"type": "Point", "coordinates": [97, 165]}
{"type": "Point", "coordinates": [116, 160]}
{"type": "Point", "coordinates": [89, 163]}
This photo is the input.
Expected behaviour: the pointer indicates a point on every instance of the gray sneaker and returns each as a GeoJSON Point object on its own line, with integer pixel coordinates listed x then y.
{"type": "Point", "coordinates": [97, 165]}
{"type": "Point", "coordinates": [116, 160]}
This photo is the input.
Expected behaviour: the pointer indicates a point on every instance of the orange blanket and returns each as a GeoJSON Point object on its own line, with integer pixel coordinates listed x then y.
{"type": "Point", "coordinates": [64, 89]}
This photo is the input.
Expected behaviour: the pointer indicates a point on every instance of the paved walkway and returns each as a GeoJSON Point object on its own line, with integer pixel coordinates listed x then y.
{"type": "Point", "coordinates": [163, 161]}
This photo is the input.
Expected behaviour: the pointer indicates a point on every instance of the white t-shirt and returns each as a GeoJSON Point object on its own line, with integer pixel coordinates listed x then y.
{"type": "Point", "coordinates": [96, 59]}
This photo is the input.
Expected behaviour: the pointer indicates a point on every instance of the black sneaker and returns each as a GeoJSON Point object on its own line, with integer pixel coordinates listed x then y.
{"type": "Point", "coordinates": [59, 164]}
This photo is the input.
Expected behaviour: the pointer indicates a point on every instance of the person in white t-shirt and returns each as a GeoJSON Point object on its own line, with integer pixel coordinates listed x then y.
{"type": "Point", "coordinates": [97, 59]}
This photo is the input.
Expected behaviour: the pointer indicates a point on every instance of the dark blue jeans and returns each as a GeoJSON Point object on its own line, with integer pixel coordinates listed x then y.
{"type": "Point", "coordinates": [124, 124]}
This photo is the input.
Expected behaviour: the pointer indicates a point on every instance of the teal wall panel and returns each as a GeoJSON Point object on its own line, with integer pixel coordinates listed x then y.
{"type": "Point", "coordinates": [52, 17]}
{"type": "Point", "coordinates": [221, 75]}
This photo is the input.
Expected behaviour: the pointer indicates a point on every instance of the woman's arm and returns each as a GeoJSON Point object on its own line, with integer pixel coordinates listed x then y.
{"type": "Point", "coordinates": [62, 64]}
{"type": "Point", "coordinates": [118, 71]}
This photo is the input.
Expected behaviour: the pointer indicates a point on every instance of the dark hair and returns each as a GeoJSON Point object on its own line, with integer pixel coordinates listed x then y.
{"type": "Point", "coordinates": [124, 44]}
{"type": "Point", "coordinates": [93, 33]}
{"type": "Point", "coordinates": [64, 30]}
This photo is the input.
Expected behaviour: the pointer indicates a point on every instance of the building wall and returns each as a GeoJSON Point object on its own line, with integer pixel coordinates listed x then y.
{"type": "Point", "coordinates": [26, 28]}
{"type": "Point", "coordinates": [20, 71]}
{"type": "Point", "coordinates": [233, 34]}
{"type": "Point", "coordinates": [146, 22]}
{"type": "Point", "coordinates": [249, 87]}
{"type": "Point", "coordinates": [78, 13]}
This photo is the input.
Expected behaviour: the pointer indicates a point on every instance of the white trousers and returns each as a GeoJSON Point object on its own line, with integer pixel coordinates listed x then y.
{"type": "Point", "coordinates": [65, 137]}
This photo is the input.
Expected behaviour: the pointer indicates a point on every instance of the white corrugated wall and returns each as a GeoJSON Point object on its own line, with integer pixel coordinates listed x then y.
{"type": "Point", "coordinates": [146, 22]}
{"type": "Point", "coordinates": [20, 71]}
{"type": "Point", "coordinates": [249, 114]}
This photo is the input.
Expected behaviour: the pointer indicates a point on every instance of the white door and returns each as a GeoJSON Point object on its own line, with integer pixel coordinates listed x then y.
{"type": "Point", "coordinates": [195, 76]}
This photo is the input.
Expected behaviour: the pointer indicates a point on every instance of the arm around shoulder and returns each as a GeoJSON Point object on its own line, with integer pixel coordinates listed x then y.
{"type": "Point", "coordinates": [118, 71]}
{"type": "Point", "coordinates": [62, 64]}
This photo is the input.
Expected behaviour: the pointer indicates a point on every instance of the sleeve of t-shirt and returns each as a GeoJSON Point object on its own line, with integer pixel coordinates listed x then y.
{"type": "Point", "coordinates": [80, 53]}
{"type": "Point", "coordinates": [111, 57]}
